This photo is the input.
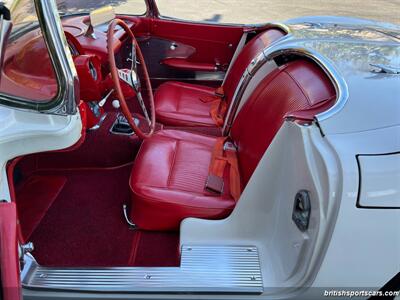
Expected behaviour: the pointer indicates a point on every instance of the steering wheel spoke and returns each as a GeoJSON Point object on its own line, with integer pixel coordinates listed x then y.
{"type": "Point", "coordinates": [134, 58]}
{"type": "Point", "coordinates": [130, 77]}
{"type": "Point", "coordinates": [143, 106]}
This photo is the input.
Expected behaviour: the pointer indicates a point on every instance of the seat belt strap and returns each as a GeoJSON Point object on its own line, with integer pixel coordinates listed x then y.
{"type": "Point", "coordinates": [234, 175]}
{"type": "Point", "coordinates": [239, 48]}
{"type": "Point", "coordinates": [218, 105]}
{"type": "Point", "coordinates": [220, 158]}
{"type": "Point", "coordinates": [218, 111]}
{"type": "Point", "coordinates": [218, 95]}
{"type": "Point", "coordinates": [216, 167]}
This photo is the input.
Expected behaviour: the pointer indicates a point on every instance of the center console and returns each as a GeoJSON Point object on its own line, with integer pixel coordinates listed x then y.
{"type": "Point", "coordinates": [121, 125]}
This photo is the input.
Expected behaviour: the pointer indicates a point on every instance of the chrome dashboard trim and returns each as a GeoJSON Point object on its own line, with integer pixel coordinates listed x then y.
{"type": "Point", "coordinates": [204, 269]}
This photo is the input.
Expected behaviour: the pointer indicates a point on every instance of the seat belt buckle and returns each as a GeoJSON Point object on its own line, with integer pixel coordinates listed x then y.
{"type": "Point", "coordinates": [229, 146]}
{"type": "Point", "coordinates": [214, 184]}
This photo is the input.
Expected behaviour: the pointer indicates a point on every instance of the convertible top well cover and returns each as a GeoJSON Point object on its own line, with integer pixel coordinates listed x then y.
{"type": "Point", "coordinates": [364, 60]}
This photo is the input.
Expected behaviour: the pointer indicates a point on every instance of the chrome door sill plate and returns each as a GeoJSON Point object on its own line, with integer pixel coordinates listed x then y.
{"type": "Point", "coordinates": [204, 269]}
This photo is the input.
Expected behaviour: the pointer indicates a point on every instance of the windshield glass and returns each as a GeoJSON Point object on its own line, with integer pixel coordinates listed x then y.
{"type": "Point", "coordinates": [20, 77]}
{"type": "Point", "coordinates": [132, 7]}
{"type": "Point", "coordinates": [23, 14]}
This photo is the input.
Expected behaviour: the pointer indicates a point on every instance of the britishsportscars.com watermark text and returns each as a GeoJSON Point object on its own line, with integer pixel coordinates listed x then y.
{"type": "Point", "coordinates": [360, 293]}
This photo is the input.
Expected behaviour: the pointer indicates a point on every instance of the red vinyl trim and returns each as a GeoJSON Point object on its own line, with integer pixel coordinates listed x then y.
{"type": "Point", "coordinates": [9, 268]}
{"type": "Point", "coordinates": [184, 64]}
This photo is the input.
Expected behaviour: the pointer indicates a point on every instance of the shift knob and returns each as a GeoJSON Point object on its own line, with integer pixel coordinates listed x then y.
{"type": "Point", "coordinates": [116, 104]}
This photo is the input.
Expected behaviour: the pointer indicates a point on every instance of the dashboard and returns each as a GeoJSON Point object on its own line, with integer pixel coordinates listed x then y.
{"type": "Point", "coordinates": [90, 54]}
{"type": "Point", "coordinates": [28, 72]}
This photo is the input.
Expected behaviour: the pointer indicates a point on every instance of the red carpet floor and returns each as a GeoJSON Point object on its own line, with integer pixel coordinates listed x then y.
{"type": "Point", "coordinates": [36, 196]}
{"type": "Point", "coordinates": [75, 219]}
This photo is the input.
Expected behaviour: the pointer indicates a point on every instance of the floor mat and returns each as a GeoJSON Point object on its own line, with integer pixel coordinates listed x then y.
{"type": "Point", "coordinates": [85, 227]}
{"type": "Point", "coordinates": [35, 196]}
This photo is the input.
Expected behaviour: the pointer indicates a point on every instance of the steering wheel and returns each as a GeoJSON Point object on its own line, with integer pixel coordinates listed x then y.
{"type": "Point", "coordinates": [131, 77]}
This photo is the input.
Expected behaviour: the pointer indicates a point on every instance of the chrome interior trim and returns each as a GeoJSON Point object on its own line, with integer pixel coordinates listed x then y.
{"type": "Point", "coordinates": [230, 115]}
{"type": "Point", "coordinates": [120, 117]}
{"type": "Point", "coordinates": [248, 74]}
{"type": "Point", "coordinates": [203, 76]}
{"type": "Point", "coordinates": [279, 25]}
{"type": "Point", "coordinates": [5, 30]}
{"type": "Point", "coordinates": [60, 56]}
{"type": "Point", "coordinates": [98, 125]}
{"type": "Point", "coordinates": [251, 69]}
{"type": "Point", "coordinates": [204, 269]}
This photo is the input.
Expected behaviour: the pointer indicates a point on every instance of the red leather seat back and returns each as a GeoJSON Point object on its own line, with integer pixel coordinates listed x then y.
{"type": "Point", "coordinates": [248, 53]}
{"type": "Point", "coordinates": [296, 86]}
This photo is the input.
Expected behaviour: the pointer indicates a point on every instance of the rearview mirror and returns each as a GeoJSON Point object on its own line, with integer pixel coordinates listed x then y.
{"type": "Point", "coordinates": [100, 16]}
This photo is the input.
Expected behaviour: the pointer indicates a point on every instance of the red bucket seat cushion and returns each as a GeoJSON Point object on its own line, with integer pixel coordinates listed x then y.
{"type": "Point", "coordinates": [168, 180]}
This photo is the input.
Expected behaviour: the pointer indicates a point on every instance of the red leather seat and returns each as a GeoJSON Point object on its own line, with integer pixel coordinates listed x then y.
{"type": "Point", "coordinates": [168, 179]}
{"type": "Point", "coordinates": [170, 171]}
{"type": "Point", "coordinates": [178, 104]}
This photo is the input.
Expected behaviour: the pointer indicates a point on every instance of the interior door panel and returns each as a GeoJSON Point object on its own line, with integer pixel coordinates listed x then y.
{"type": "Point", "coordinates": [213, 43]}
{"type": "Point", "coordinates": [191, 52]}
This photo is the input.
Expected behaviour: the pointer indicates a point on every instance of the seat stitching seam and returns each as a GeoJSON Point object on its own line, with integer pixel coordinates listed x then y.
{"type": "Point", "coordinates": [152, 199]}
{"type": "Point", "coordinates": [300, 87]}
{"type": "Point", "coordinates": [186, 114]}
{"type": "Point", "coordinates": [190, 141]}
{"type": "Point", "coordinates": [173, 163]}
{"type": "Point", "coordinates": [193, 123]}
{"type": "Point", "coordinates": [178, 113]}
